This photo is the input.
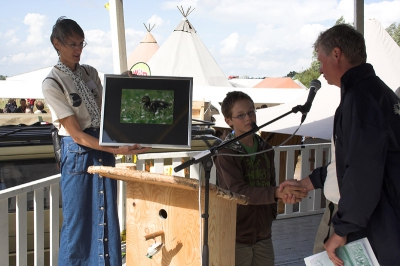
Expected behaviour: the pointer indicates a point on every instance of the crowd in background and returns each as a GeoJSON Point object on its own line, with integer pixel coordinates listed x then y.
{"type": "Point", "coordinates": [26, 106]}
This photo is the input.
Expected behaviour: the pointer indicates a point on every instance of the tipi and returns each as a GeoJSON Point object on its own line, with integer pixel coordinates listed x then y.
{"type": "Point", "coordinates": [184, 54]}
{"type": "Point", "coordinates": [145, 50]}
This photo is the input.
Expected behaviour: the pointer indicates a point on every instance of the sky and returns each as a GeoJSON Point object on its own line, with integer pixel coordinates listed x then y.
{"type": "Point", "coordinates": [255, 38]}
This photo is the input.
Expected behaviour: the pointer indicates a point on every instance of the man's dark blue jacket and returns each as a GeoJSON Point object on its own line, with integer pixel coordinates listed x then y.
{"type": "Point", "coordinates": [367, 140]}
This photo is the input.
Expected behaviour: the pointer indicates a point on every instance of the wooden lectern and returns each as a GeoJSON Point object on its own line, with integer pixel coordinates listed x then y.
{"type": "Point", "coordinates": [165, 210]}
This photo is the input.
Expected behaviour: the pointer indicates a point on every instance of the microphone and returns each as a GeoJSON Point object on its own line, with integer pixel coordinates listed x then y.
{"type": "Point", "coordinates": [315, 85]}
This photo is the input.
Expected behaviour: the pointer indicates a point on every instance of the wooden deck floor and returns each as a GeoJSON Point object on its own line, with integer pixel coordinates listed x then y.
{"type": "Point", "coordinates": [293, 239]}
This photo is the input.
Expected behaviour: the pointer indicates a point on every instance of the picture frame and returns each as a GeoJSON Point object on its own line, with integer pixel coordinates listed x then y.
{"type": "Point", "coordinates": [153, 111]}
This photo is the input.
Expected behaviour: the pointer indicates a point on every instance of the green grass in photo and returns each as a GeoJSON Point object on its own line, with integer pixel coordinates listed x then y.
{"type": "Point", "coordinates": [158, 110]}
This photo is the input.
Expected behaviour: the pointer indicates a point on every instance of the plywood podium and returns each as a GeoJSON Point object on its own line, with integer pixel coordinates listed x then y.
{"type": "Point", "coordinates": [165, 210]}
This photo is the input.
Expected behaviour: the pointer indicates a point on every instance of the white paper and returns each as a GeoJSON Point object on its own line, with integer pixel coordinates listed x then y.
{"type": "Point", "coordinates": [355, 253]}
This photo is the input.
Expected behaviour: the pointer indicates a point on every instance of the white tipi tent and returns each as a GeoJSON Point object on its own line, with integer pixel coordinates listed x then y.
{"type": "Point", "coordinates": [184, 54]}
{"type": "Point", "coordinates": [145, 50]}
{"type": "Point", "coordinates": [383, 53]}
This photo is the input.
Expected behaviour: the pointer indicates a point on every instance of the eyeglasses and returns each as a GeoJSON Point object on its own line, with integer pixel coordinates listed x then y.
{"type": "Point", "coordinates": [74, 46]}
{"type": "Point", "coordinates": [243, 116]}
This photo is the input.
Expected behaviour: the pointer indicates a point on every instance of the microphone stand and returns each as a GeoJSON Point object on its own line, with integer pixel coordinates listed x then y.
{"type": "Point", "coordinates": [205, 158]}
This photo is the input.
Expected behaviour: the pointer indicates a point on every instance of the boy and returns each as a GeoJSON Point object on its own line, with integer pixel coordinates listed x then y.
{"type": "Point", "coordinates": [253, 176]}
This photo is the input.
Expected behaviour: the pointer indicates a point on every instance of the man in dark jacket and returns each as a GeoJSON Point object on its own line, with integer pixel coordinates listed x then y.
{"type": "Point", "coordinates": [367, 140]}
{"type": "Point", "coordinates": [22, 108]}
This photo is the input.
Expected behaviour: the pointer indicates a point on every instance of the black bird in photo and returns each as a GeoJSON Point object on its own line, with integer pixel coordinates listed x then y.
{"type": "Point", "coordinates": [153, 106]}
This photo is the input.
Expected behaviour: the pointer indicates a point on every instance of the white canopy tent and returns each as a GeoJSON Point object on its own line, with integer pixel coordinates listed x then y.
{"type": "Point", "coordinates": [215, 95]}
{"type": "Point", "coordinates": [383, 53]}
{"type": "Point", "coordinates": [27, 85]}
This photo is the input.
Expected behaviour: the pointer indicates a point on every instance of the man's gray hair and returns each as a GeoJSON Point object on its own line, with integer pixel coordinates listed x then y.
{"type": "Point", "coordinates": [347, 39]}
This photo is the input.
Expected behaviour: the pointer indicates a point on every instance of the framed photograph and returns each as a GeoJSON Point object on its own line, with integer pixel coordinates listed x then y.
{"type": "Point", "coordinates": [153, 111]}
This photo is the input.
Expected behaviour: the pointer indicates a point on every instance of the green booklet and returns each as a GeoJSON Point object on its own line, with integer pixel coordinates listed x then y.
{"type": "Point", "coordinates": [355, 253]}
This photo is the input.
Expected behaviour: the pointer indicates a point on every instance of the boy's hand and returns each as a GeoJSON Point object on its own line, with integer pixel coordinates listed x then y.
{"type": "Point", "coordinates": [291, 193]}
{"type": "Point", "coordinates": [291, 198]}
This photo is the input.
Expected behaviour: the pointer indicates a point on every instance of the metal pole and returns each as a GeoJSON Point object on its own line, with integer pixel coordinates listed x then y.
{"type": "Point", "coordinates": [359, 15]}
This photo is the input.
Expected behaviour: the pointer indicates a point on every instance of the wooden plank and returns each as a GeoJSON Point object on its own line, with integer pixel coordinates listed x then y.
{"type": "Point", "coordinates": [305, 171]}
{"type": "Point", "coordinates": [38, 227]}
{"type": "Point", "coordinates": [289, 175]}
{"type": "Point", "coordinates": [4, 249]}
{"type": "Point", "coordinates": [319, 153]}
{"type": "Point", "coordinates": [195, 171]}
{"type": "Point", "coordinates": [21, 222]}
{"type": "Point", "coordinates": [160, 180]}
{"type": "Point", "coordinates": [159, 166]}
{"type": "Point", "coordinates": [54, 224]}
{"type": "Point", "coordinates": [176, 162]}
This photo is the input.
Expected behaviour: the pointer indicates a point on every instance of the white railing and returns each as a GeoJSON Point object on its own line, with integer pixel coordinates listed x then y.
{"type": "Point", "coordinates": [312, 204]}
{"type": "Point", "coordinates": [161, 163]}
{"type": "Point", "coordinates": [21, 222]}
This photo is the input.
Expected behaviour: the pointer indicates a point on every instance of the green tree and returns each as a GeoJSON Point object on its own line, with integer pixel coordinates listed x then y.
{"type": "Point", "coordinates": [3, 77]}
{"type": "Point", "coordinates": [291, 74]}
{"type": "Point", "coordinates": [310, 73]}
{"type": "Point", "coordinates": [341, 20]}
{"type": "Point", "coordinates": [394, 32]}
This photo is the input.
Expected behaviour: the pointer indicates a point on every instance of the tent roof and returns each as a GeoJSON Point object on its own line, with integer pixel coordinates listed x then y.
{"type": "Point", "coordinates": [383, 53]}
{"type": "Point", "coordinates": [185, 26]}
{"type": "Point", "coordinates": [184, 54]}
{"type": "Point", "coordinates": [284, 82]}
{"type": "Point", "coordinates": [244, 83]}
{"type": "Point", "coordinates": [27, 85]}
{"type": "Point", "coordinates": [263, 96]}
{"type": "Point", "coordinates": [144, 51]}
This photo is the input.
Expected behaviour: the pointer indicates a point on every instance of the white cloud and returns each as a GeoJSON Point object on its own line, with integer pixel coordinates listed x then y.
{"type": "Point", "coordinates": [133, 38]}
{"type": "Point", "coordinates": [155, 20]}
{"type": "Point", "coordinates": [98, 37]}
{"type": "Point", "coordinates": [10, 37]}
{"type": "Point", "coordinates": [38, 59]}
{"type": "Point", "coordinates": [184, 3]}
{"type": "Point", "coordinates": [99, 52]}
{"type": "Point", "coordinates": [229, 44]}
{"type": "Point", "coordinates": [386, 12]}
{"type": "Point", "coordinates": [268, 66]}
{"type": "Point", "coordinates": [35, 23]}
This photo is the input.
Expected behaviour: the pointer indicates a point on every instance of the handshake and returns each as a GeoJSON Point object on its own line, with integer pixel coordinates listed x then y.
{"type": "Point", "coordinates": [292, 191]}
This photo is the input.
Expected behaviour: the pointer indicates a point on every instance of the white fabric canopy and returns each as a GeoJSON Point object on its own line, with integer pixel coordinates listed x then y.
{"type": "Point", "coordinates": [271, 95]}
{"type": "Point", "coordinates": [27, 85]}
{"type": "Point", "coordinates": [383, 53]}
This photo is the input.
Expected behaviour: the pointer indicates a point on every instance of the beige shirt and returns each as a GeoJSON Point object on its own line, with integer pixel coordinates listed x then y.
{"type": "Point", "coordinates": [331, 187]}
{"type": "Point", "coordinates": [63, 105]}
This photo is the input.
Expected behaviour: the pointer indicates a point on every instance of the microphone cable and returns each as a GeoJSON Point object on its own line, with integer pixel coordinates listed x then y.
{"type": "Point", "coordinates": [259, 152]}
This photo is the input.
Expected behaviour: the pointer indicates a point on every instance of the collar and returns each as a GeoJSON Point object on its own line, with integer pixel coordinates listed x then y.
{"type": "Point", "coordinates": [355, 75]}
{"type": "Point", "coordinates": [236, 146]}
